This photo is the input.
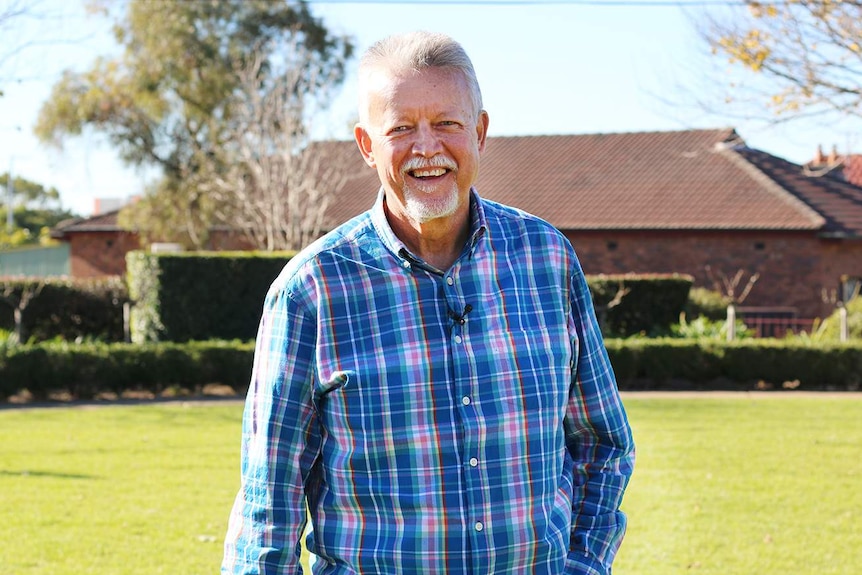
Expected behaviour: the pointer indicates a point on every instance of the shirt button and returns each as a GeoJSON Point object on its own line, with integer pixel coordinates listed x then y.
{"type": "Point", "coordinates": [479, 526]}
{"type": "Point", "coordinates": [474, 462]}
{"type": "Point", "coordinates": [457, 339]}
{"type": "Point", "coordinates": [465, 400]}
{"type": "Point", "coordinates": [405, 265]}
{"type": "Point", "coordinates": [449, 280]}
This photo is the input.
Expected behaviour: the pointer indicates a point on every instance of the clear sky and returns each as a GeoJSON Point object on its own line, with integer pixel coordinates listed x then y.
{"type": "Point", "coordinates": [564, 67]}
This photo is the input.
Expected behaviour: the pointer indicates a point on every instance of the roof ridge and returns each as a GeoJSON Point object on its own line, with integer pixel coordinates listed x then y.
{"type": "Point", "coordinates": [771, 185]}
{"type": "Point", "coordinates": [726, 129]}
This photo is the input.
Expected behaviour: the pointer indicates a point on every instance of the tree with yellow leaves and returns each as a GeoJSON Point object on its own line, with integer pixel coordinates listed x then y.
{"type": "Point", "coordinates": [809, 52]}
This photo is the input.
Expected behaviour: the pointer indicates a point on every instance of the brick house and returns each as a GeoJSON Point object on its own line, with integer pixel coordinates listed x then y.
{"type": "Point", "coordinates": [665, 202]}
{"type": "Point", "coordinates": [97, 245]}
{"type": "Point", "coordinates": [662, 202]}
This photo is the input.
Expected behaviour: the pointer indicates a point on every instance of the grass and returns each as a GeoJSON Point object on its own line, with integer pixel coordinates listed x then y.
{"type": "Point", "coordinates": [748, 484]}
{"type": "Point", "coordinates": [757, 484]}
{"type": "Point", "coordinates": [116, 490]}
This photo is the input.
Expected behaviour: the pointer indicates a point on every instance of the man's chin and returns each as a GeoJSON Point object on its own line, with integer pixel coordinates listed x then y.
{"type": "Point", "coordinates": [427, 211]}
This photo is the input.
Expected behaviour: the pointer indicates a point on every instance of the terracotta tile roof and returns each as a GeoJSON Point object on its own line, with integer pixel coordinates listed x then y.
{"type": "Point", "coordinates": [683, 180]}
{"type": "Point", "coordinates": [838, 201]}
{"type": "Point", "coordinates": [647, 180]}
{"type": "Point", "coordinates": [106, 222]}
{"type": "Point", "coordinates": [693, 179]}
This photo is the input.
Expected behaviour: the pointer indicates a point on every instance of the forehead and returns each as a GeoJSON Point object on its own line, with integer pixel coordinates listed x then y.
{"type": "Point", "coordinates": [437, 88]}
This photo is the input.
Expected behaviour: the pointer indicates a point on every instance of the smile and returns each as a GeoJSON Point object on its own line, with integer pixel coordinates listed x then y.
{"type": "Point", "coordinates": [428, 173]}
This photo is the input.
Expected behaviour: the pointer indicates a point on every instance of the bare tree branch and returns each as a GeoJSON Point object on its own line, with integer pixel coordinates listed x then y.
{"type": "Point", "coordinates": [276, 184]}
{"type": "Point", "coordinates": [807, 54]}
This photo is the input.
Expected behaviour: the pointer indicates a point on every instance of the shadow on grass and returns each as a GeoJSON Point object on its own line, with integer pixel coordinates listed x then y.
{"type": "Point", "coordinates": [49, 474]}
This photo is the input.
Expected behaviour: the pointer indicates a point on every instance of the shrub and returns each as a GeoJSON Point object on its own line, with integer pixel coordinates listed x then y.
{"type": "Point", "coordinates": [650, 304]}
{"type": "Point", "coordinates": [703, 327]}
{"type": "Point", "coordinates": [641, 363]}
{"type": "Point", "coordinates": [829, 328]}
{"type": "Point", "coordinates": [85, 370]}
{"type": "Point", "coordinates": [66, 308]}
{"type": "Point", "coordinates": [200, 295]}
{"type": "Point", "coordinates": [706, 303]}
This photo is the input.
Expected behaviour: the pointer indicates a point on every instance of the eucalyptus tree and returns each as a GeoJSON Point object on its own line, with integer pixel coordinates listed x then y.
{"type": "Point", "coordinates": [169, 100]}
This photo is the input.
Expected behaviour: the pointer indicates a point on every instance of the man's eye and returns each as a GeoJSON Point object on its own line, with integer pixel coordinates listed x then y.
{"type": "Point", "coordinates": [400, 129]}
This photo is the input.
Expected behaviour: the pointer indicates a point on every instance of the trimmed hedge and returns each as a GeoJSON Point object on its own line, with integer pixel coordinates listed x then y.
{"type": "Point", "coordinates": [66, 308]}
{"type": "Point", "coordinates": [653, 302]}
{"type": "Point", "coordinates": [745, 364]}
{"type": "Point", "coordinates": [85, 370]}
{"type": "Point", "coordinates": [218, 295]}
{"type": "Point", "coordinates": [199, 296]}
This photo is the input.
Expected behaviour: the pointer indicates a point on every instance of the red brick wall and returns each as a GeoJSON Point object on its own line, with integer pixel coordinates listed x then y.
{"type": "Point", "coordinates": [95, 254]}
{"type": "Point", "coordinates": [794, 267]}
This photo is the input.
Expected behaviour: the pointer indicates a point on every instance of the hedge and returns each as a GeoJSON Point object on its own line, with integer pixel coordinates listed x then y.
{"type": "Point", "coordinates": [219, 295]}
{"type": "Point", "coordinates": [199, 295]}
{"type": "Point", "coordinates": [86, 370]}
{"type": "Point", "coordinates": [650, 305]}
{"type": "Point", "coordinates": [65, 308]}
{"type": "Point", "coordinates": [665, 363]}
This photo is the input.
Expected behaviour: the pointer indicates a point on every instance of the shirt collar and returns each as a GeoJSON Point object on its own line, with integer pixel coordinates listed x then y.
{"type": "Point", "coordinates": [478, 229]}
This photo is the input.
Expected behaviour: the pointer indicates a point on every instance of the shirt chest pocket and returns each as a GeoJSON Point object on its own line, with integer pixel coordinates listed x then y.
{"type": "Point", "coordinates": [525, 370]}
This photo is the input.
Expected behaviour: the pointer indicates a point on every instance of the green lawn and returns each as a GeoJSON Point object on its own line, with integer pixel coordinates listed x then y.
{"type": "Point", "coordinates": [760, 485]}
{"type": "Point", "coordinates": [742, 485]}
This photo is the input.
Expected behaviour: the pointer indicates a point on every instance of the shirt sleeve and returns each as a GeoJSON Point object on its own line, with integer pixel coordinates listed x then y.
{"type": "Point", "coordinates": [599, 441]}
{"type": "Point", "coordinates": [279, 445]}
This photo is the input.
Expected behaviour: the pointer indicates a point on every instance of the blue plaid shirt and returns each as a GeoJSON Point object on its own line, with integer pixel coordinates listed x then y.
{"type": "Point", "coordinates": [443, 422]}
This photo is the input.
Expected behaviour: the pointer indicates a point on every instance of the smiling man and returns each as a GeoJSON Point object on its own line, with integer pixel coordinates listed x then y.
{"type": "Point", "coordinates": [429, 379]}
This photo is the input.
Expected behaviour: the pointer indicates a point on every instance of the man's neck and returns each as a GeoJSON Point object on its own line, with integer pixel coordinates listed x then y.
{"type": "Point", "coordinates": [439, 242]}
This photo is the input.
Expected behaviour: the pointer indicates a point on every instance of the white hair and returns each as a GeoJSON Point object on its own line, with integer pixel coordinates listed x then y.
{"type": "Point", "coordinates": [415, 52]}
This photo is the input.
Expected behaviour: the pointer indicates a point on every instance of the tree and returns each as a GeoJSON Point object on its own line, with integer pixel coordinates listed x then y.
{"type": "Point", "coordinates": [809, 52]}
{"type": "Point", "coordinates": [170, 100]}
{"type": "Point", "coordinates": [35, 210]}
{"type": "Point", "coordinates": [19, 300]}
{"type": "Point", "coordinates": [277, 184]}
{"type": "Point", "coordinates": [728, 287]}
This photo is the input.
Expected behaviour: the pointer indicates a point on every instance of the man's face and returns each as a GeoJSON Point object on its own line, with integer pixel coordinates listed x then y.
{"type": "Point", "coordinates": [421, 133]}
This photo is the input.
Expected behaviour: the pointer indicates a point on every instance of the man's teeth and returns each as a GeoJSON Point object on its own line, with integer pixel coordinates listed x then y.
{"type": "Point", "coordinates": [429, 173]}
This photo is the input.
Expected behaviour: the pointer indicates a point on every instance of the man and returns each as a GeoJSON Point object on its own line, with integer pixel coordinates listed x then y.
{"type": "Point", "coordinates": [429, 377]}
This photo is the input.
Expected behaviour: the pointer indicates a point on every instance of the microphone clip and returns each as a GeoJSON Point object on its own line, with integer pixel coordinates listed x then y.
{"type": "Point", "coordinates": [461, 318]}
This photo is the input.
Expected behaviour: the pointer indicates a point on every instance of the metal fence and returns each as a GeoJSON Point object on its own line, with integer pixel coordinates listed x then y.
{"type": "Point", "coordinates": [778, 326]}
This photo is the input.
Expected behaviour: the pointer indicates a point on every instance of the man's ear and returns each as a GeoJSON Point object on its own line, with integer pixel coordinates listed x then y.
{"type": "Point", "coordinates": [363, 140]}
{"type": "Point", "coordinates": [482, 129]}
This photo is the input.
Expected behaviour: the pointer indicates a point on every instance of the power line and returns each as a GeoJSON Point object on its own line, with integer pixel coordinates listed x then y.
{"type": "Point", "coordinates": [594, 3]}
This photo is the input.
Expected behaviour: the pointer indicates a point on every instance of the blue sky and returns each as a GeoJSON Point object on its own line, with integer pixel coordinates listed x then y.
{"type": "Point", "coordinates": [544, 67]}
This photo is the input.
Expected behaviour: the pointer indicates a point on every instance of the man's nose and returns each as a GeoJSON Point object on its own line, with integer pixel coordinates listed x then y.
{"type": "Point", "coordinates": [427, 142]}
